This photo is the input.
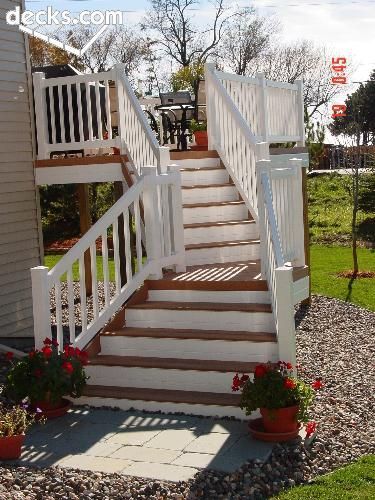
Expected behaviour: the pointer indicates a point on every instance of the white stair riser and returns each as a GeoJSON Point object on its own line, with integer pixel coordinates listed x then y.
{"type": "Point", "coordinates": [240, 253]}
{"type": "Point", "coordinates": [188, 409]}
{"type": "Point", "coordinates": [197, 163]}
{"type": "Point", "coordinates": [202, 177]}
{"type": "Point", "coordinates": [215, 213]}
{"type": "Point", "coordinates": [159, 378]}
{"type": "Point", "coordinates": [227, 297]}
{"type": "Point", "coordinates": [206, 195]}
{"type": "Point", "coordinates": [225, 232]}
{"type": "Point", "coordinates": [204, 320]}
{"type": "Point", "coordinates": [189, 349]}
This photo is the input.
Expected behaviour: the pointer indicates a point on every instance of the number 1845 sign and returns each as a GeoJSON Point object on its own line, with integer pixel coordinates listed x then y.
{"type": "Point", "coordinates": [338, 67]}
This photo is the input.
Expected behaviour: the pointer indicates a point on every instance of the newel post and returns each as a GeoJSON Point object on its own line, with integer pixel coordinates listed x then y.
{"type": "Point", "coordinates": [262, 166]}
{"type": "Point", "coordinates": [152, 220]}
{"type": "Point", "coordinates": [286, 332]}
{"type": "Point", "coordinates": [164, 159]}
{"type": "Point", "coordinates": [301, 113]}
{"type": "Point", "coordinates": [41, 304]}
{"type": "Point", "coordinates": [40, 108]}
{"type": "Point", "coordinates": [263, 106]}
{"type": "Point", "coordinates": [121, 111]}
{"type": "Point", "coordinates": [177, 219]}
{"type": "Point", "coordinates": [209, 69]}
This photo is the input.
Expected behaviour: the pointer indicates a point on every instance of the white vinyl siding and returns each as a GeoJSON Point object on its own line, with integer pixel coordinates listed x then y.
{"type": "Point", "coordinates": [19, 242]}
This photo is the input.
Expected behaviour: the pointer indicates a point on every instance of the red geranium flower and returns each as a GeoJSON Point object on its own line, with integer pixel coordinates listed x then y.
{"type": "Point", "coordinates": [55, 343]}
{"type": "Point", "coordinates": [32, 354]}
{"type": "Point", "coordinates": [289, 366]}
{"type": "Point", "coordinates": [289, 383]}
{"type": "Point", "coordinates": [38, 372]}
{"type": "Point", "coordinates": [47, 351]}
{"type": "Point", "coordinates": [69, 350]}
{"type": "Point", "coordinates": [47, 341]}
{"type": "Point", "coordinates": [236, 384]}
{"type": "Point", "coordinates": [68, 367]}
{"type": "Point", "coordinates": [310, 428]}
{"type": "Point", "coordinates": [260, 370]}
{"type": "Point", "coordinates": [9, 355]}
{"type": "Point", "coordinates": [244, 379]}
{"type": "Point", "coordinates": [318, 384]}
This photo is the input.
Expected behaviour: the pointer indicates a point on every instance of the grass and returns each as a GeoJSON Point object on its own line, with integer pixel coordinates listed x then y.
{"type": "Point", "coordinates": [353, 482]}
{"type": "Point", "coordinates": [330, 210]}
{"type": "Point", "coordinates": [52, 259]}
{"type": "Point", "coordinates": [327, 261]}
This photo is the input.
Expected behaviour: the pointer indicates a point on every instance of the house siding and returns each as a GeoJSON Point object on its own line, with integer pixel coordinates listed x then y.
{"type": "Point", "coordinates": [19, 231]}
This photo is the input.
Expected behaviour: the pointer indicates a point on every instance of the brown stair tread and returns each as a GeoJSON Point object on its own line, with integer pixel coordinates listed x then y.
{"type": "Point", "coordinates": [162, 395]}
{"type": "Point", "coordinates": [202, 365]}
{"type": "Point", "coordinates": [213, 244]}
{"type": "Point", "coordinates": [170, 333]}
{"type": "Point", "coordinates": [212, 286]}
{"type": "Point", "coordinates": [205, 186]}
{"type": "Point", "coordinates": [219, 223]}
{"type": "Point", "coordinates": [202, 306]}
{"type": "Point", "coordinates": [199, 169]}
{"type": "Point", "coordinates": [213, 204]}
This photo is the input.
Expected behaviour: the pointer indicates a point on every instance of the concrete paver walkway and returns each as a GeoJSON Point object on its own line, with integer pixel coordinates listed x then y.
{"type": "Point", "coordinates": [157, 446]}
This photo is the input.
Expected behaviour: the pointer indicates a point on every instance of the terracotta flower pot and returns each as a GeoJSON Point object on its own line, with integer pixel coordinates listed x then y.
{"type": "Point", "coordinates": [280, 419]}
{"type": "Point", "coordinates": [201, 138]}
{"type": "Point", "coordinates": [52, 410]}
{"type": "Point", "coordinates": [10, 447]}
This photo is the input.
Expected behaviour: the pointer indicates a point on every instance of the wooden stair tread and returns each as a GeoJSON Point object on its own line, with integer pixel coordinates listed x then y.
{"type": "Point", "coordinates": [219, 223]}
{"type": "Point", "coordinates": [202, 365]}
{"type": "Point", "coordinates": [213, 204]}
{"type": "Point", "coordinates": [162, 395]}
{"type": "Point", "coordinates": [213, 244]}
{"type": "Point", "coordinates": [205, 186]}
{"type": "Point", "coordinates": [186, 334]}
{"type": "Point", "coordinates": [212, 286]}
{"type": "Point", "coordinates": [199, 169]}
{"type": "Point", "coordinates": [202, 306]}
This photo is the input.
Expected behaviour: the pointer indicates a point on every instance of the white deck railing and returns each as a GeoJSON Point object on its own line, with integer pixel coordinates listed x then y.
{"type": "Point", "coordinates": [80, 112]}
{"type": "Point", "coordinates": [273, 110]}
{"type": "Point", "coordinates": [281, 228]}
{"type": "Point", "coordinates": [164, 246]}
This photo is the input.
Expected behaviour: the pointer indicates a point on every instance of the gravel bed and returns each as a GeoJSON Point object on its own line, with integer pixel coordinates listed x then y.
{"type": "Point", "coordinates": [77, 303]}
{"type": "Point", "coordinates": [335, 341]}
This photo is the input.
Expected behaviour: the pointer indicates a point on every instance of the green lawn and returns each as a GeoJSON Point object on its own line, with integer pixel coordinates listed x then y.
{"type": "Point", "coordinates": [52, 259]}
{"type": "Point", "coordinates": [326, 262]}
{"type": "Point", "coordinates": [330, 209]}
{"type": "Point", "coordinates": [354, 482]}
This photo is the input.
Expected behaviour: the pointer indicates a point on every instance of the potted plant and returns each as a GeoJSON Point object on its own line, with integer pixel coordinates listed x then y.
{"type": "Point", "coordinates": [200, 133]}
{"type": "Point", "coordinates": [14, 422]}
{"type": "Point", "coordinates": [46, 375]}
{"type": "Point", "coordinates": [282, 398]}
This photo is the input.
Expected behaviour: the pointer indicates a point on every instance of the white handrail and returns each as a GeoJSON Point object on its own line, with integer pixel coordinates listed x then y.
{"type": "Point", "coordinates": [163, 221]}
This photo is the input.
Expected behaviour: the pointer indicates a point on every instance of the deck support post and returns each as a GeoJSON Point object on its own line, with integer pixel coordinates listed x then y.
{"type": "Point", "coordinates": [41, 305]}
{"type": "Point", "coordinates": [284, 315]}
{"type": "Point", "coordinates": [85, 224]}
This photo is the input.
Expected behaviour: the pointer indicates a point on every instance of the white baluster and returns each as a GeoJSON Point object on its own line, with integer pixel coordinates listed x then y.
{"type": "Point", "coordinates": [72, 332]}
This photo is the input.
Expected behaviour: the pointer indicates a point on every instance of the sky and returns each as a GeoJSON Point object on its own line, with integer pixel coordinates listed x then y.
{"type": "Point", "coordinates": [345, 27]}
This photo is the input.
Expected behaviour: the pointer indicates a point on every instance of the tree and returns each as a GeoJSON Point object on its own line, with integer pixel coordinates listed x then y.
{"type": "Point", "coordinates": [172, 27]}
{"type": "Point", "coordinates": [45, 54]}
{"type": "Point", "coordinates": [300, 60]}
{"type": "Point", "coordinates": [315, 135]}
{"type": "Point", "coordinates": [247, 36]}
{"type": "Point", "coordinates": [360, 114]}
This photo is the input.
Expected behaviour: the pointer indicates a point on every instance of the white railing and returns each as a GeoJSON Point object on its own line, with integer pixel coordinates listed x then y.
{"type": "Point", "coordinates": [231, 136]}
{"type": "Point", "coordinates": [273, 110]}
{"type": "Point", "coordinates": [159, 197]}
{"type": "Point", "coordinates": [280, 208]}
{"type": "Point", "coordinates": [81, 112]}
